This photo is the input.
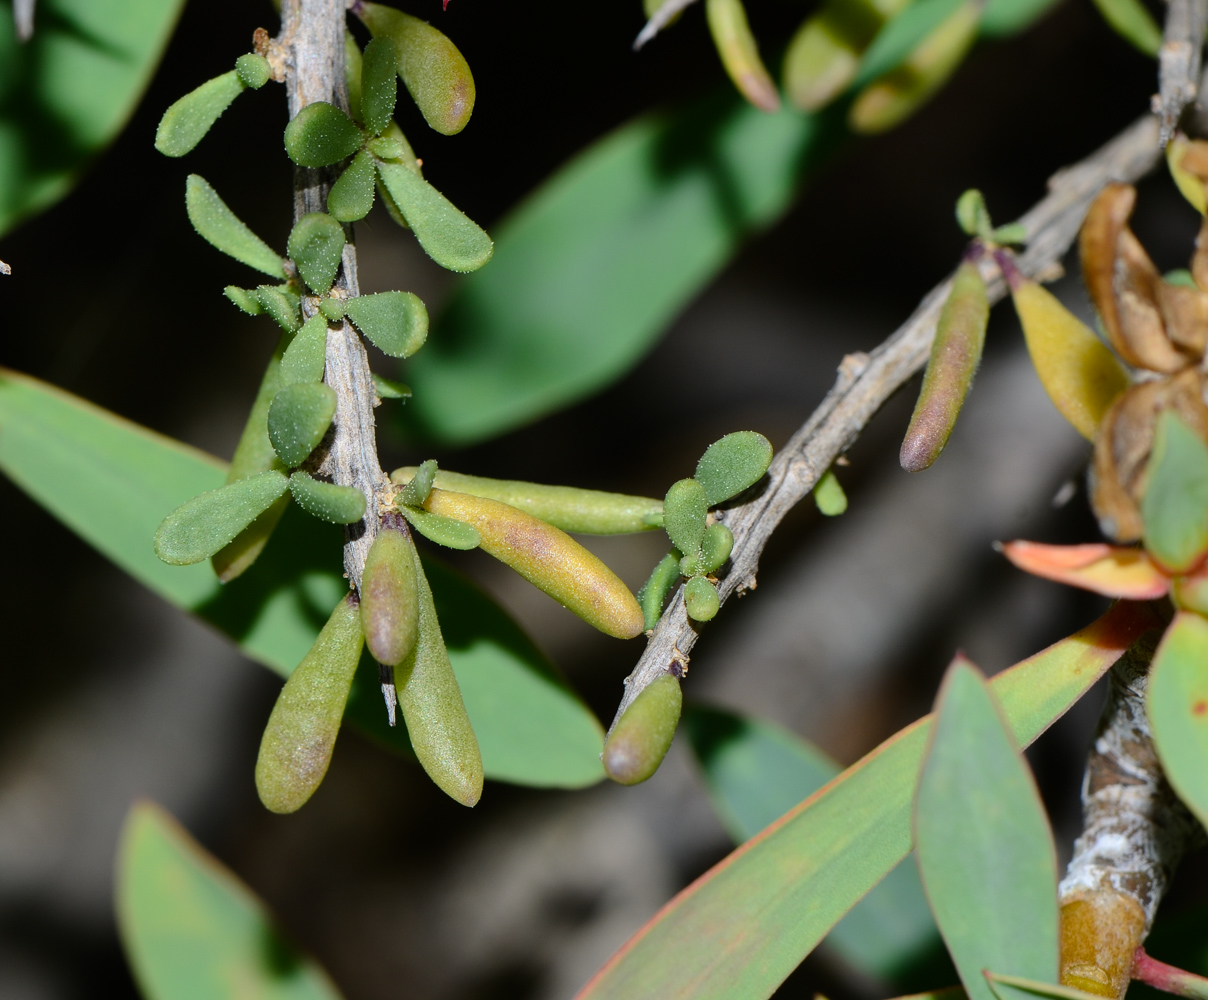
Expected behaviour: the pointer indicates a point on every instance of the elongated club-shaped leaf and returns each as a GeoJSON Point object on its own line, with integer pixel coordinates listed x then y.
{"type": "Point", "coordinates": [531, 727]}
{"type": "Point", "coordinates": [732, 464]}
{"type": "Point", "coordinates": [743, 926]}
{"type": "Point", "coordinates": [298, 418]}
{"type": "Point", "coordinates": [199, 528]}
{"type": "Point", "coordinates": [223, 229]}
{"type": "Point", "coordinates": [1111, 570]}
{"type": "Point", "coordinates": [315, 245]}
{"type": "Point", "coordinates": [1177, 704]}
{"type": "Point", "coordinates": [755, 772]}
{"type": "Point", "coordinates": [433, 70]}
{"type": "Point", "coordinates": [390, 596]}
{"type": "Point", "coordinates": [327, 501]}
{"type": "Point", "coordinates": [351, 196]}
{"type": "Point", "coordinates": [588, 512]}
{"type": "Point", "coordinates": [67, 91]}
{"type": "Point", "coordinates": [379, 85]}
{"type": "Point", "coordinates": [306, 355]}
{"type": "Point", "coordinates": [396, 322]}
{"type": "Point", "coordinates": [1175, 506]}
{"type": "Point", "coordinates": [298, 740]}
{"type": "Point", "coordinates": [447, 235]}
{"type": "Point", "coordinates": [983, 843]}
{"type": "Point", "coordinates": [636, 747]}
{"type": "Point", "coordinates": [661, 582]}
{"type": "Point", "coordinates": [320, 135]}
{"type": "Point", "coordinates": [739, 53]}
{"type": "Point", "coordinates": [187, 121]}
{"type": "Point", "coordinates": [684, 510]}
{"type": "Point", "coordinates": [192, 930]}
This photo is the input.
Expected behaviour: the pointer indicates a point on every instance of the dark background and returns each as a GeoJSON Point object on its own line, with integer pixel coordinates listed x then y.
{"type": "Point", "coordinates": [109, 694]}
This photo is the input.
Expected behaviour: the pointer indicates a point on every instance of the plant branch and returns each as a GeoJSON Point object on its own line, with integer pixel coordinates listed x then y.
{"type": "Point", "coordinates": [1168, 978]}
{"type": "Point", "coordinates": [660, 19]}
{"type": "Point", "coordinates": [1179, 62]}
{"type": "Point", "coordinates": [312, 36]}
{"type": "Point", "coordinates": [866, 381]}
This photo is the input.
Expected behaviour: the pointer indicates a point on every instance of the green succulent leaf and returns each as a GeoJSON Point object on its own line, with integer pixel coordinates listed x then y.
{"type": "Point", "coordinates": [901, 36]}
{"type": "Point", "coordinates": [390, 595]}
{"type": "Point", "coordinates": [1174, 509]}
{"type": "Point", "coordinates": [298, 418]}
{"type": "Point", "coordinates": [316, 244]}
{"type": "Point", "coordinates": [419, 487]}
{"type": "Point", "coordinates": [327, 501]}
{"type": "Point", "coordinates": [1131, 21]}
{"type": "Point", "coordinates": [447, 236]}
{"type": "Point", "coordinates": [446, 531]}
{"type": "Point", "coordinates": [733, 464]}
{"type": "Point", "coordinates": [332, 309]}
{"type": "Point", "coordinates": [351, 196]}
{"type": "Point", "coordinates": [829, 496]}
{"type": "Point", "coordinates": [254, 70]}
{"type": "Point", "coordinates": [639, 742]}
{"type": "Point", "coordinates": [433, 70]}
{"type": "Point", "coordinates": [983, 843]}
{"type": "Point", "coordinates": [187, 121]}
{"type": "Point", "coordinates": [684, 511]}
{"type": "Point", "coordinates": [532, 728]}
{"type": "Point", "coordinates": [353, 65]}
{"type": "Point", "coordinates": [219, 226]}
{"type": "Point", "coordinates": [1177, 705]}
{"type": "Point", "coordinates": [715, 547]}
{"type": "Point", "coordinates": [244, 299]}
{"type": "Point", "coordinates": [660, 583]}
{"type": "Point", "coordinates": [972, 214]}
{"type": "Point", "coordinates": [701, 600]}
{"type": "Point", "coordinates": [396, 322]}
{"type": "Point", "coordinates": [379, 85]}
{"type": "Point", "coordinates": [199, 528]}
{"type": "Point", "coordinates": [282, 305]}
{"type": "Point", "coordinates": [190, 928]}
{"type": "Point", "coordinates": [306, 355]}
{"type": "Point", "coordinates": [389, 389]}
{"type": "Point", "coordinates": [321, 134]}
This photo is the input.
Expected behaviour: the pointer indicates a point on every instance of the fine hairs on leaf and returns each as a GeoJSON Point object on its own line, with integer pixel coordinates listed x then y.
{"type": "Point", "coordinates": [223, 229]}
{"type": "Point", "coordinates": [396, 322]}
{"type": "Point", "coordinates": [187, 121]}
{"type": "Point", "coordinates": [199, 528]}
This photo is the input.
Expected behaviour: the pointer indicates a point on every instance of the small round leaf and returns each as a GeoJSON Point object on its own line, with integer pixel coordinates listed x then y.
{"type": "Point", "coordinates": [298, 418]}
{"type": "Point", "coordinates": [396, 322]}
{"type": "Point", "coordinates": [700, 599]}
{"type": "Point", "coordinates": [315, 245]}
{"type": "Point", "coordinates": [351, 197]}
{"type": "Point", "coordinates": [320, 135]}
{"type": "Point", "coordinates": [732, 464]}
{"type": "Point", "coordinates": [253, 70]}
{"type": "Point", "coordinates": [684, 513]}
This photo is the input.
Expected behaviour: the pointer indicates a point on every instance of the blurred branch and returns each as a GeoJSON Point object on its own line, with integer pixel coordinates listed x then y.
{"type": "Point", "coordinates": [1179, 61]}
{"type": "Point", "coordinates": [660, 19]}
{"type": "Point", "coordinates": [23, 19]}
{"type": "Point", "coordinates": [866, 381]}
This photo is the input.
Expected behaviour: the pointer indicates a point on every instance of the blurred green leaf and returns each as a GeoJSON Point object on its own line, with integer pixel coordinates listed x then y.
{"type": "Point", "coordinates": [192, 930]}
{"type": "Point", "coordinates": [531, 727]}
{"type": "Point", "coordinates": [1002, 18]}
{"type": "Point", "coordinates": [1175, 506]}
{"type": "Point", "coordinates": [1177, 705]}
{"type": "Point", "coordinates": [742, 927]}
{"type": "Point", "coordinates": [67, 93]}
{"type": "Point", "coordinates": [983, 842]}
{"type": "Point", "coordinates": [589, 270]}
{"type": "Point", "coordinates": [1131, 21]}
{"type": "Point", "coordinates": [901, 36]}
{"type": "Point", "coordinates": [756, 772]}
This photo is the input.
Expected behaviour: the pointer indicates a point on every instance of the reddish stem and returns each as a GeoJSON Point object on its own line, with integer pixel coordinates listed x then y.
{"type": "Point", "coordinates": [1168, 978]}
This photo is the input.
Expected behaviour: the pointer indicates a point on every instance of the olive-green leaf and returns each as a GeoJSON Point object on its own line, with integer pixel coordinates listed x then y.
{"type": "Point", "coordinates": [447, 236]}
{"type": "Point", "coordinates": [218, 225]}
{"type": "Point", "coordinates": [684, 511]}
{"type": "Point", "coordinates": [433, 70]}
{"type": "Point", "coordinates": [301, 732]}
{"type": "Point", "coordinates": [192, 930]}
{"type": "Point", "coordinates": [201, 526]}
{"type": "Point", "coordinates": [732, 464]}
{"type": "Point", "coordinates": [659, 584]}
{"type": "Point", "coordinates": [379, 85]}
{"type": "Point", "coordinates": [1174, 509]}
{"type": "Point", "coordinates": [281, 304]}
{"type": "Point", "coordinates": [755, 772]}
{"type": "Point", "coordinates": [320, 135]}
{"type": "Point", "coordinates": [636, 747]}
{"type": "Point", "coordinates": [351, 196]}
{"type": "Point", "coordinates": [67, 92]}
{"type": "Point", "coordinates": [316, 244]}
{"type": "Point", "coordinates": [298, 418]}
{"type": "Point", "coordinates": [446, 531]}
{"type": "Point", "coordinates": [983, 843]}
{"type": "Point", "coordinates": [396, 322]}
{"type": "Point", "coordinates": [187, 121]}
{"type": "Point", "coordinates": [742, 927]}
{"type": "Point", "coordinates": [390, 596]}
{"type": "Point", "coordinates": [328, 501]}
{"type": "Point", "coordinates": [532, 728]}
{"type": "Point", "coordinates": [305, 357]}
{"type": "Point", "coordinates": [1177, 704]}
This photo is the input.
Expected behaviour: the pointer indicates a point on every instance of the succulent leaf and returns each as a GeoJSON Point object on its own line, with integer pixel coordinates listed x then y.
{"type": "Point", "coordinates": [298, 418]}
{"type": "Point", "coordinates": [220, 227]}
{"type": "Point", "coordinates": [187, 121]}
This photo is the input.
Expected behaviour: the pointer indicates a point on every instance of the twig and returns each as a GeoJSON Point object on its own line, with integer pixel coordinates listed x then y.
{"type": "Point", "coordinates": [312, 37]}
{"type": "Point", "coordinates": [23, 19]}
{"type": "Point", "coordinates": [1179, 61]}
{"type": "Point", "coordinates": [662, 17]}
{"type": "Point", "coordinates": [1168, 978]}
{"type": "Point", "coordinates": [866, 381]}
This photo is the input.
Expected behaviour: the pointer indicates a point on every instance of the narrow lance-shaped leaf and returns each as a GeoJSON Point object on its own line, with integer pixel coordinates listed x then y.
{"type": "Point", "coordinates": [315, 244]}
{"type": "Point", "coordinates": [446, 235]}
{"type": "Point", "coordinates": [1175, 505]}
{"type": "Point", "coordinates": [187, 121]}
{"type": "Point", "coordinates": [190, 928]}
{"type": "Point", "coordinates": [352, 74]}
{"type": "Point", "coordinates": [740, 54]}
{"type": "Point", "coordinates": [282, 305]}
{"type": "Point", "coordinates": [588, 512]}
{"type": "Point", "coordinates": [661, 582]}
{"type": "Point", "coordinates": [955, 354]}
{"type": "Point", "coordinates": [982, 840]}
{"type": "Point", "coordinates": [684, 510]}
{"type": "Point", "coordinates": [432, 706]}
{"type": "Point", "coordinates": [327, 501]}
{"type": "Point", "coordinates": [300, 736]}
{"type": "Point", "coordinates": [549, 559]}
{"type": "Point", "coordinates": [390, 595]}
{"type": "Point", "coordinates": [636, 747]}
{"type": "Point", "coordinates": [446, 531]}
{"type": "Point", "coordinates": [396, 322]}
{"type": "Point", "coordinates": [223, 229]}
{"type": "Point", "coordinates": [205, 524]}
{"type": "Point", "coordinates": [1111, 570]}
{"type": "Point", "coordinates": [732, 464]}
{"type": "Point", "coordinates": [433, 70]}
{"type": "Point", "coordinates": [351, 196]}
{"type": "Point", "coordinates": [419, 486]}
{"type": "Point", "coordinates": [298, 418]}
{"type": "Point", "coordinates": [1131, 21]}
{"type": "Point", "coordinates": [306, 355]}
{"type": "Point", "coordinates": [244, 299]}
{"type": "Point", "coordinates": [379, 85]}
{"type": "Point", "coordinates": [320, 135]}
{"type": "Point", "coordinates": [1177, 705]}
{"type": "Point", "coordinates": [390, 389]}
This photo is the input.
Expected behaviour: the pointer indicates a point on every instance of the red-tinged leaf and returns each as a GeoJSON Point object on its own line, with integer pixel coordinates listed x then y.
{"type": "Point", "coordinates": [1111, 570]}
{"type": "Point", "coordinates": [743, 926]}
